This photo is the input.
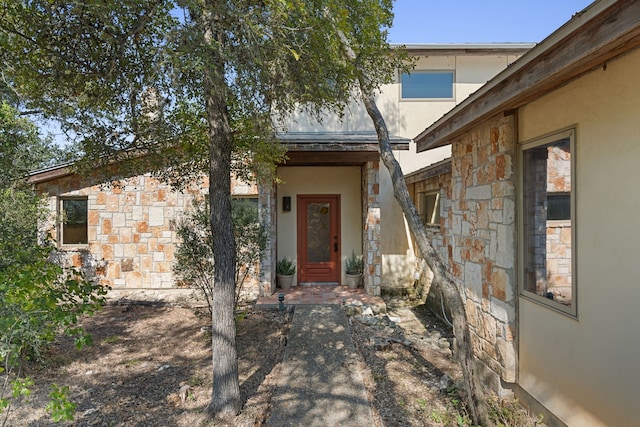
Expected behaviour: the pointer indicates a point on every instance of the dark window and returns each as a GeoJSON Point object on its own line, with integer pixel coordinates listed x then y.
{"type": "Point", "coordinates": [246, 206]}
{"type": "Point", "coordinates": [559, 206]}
{"type": "Point", "coordinates": [429, 207]}
{"type": "Point", "coordinates": [74, 222]}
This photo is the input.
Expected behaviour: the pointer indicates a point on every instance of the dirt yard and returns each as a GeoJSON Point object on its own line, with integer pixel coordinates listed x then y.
{"type": "Point", "coordinates": [150, 366]}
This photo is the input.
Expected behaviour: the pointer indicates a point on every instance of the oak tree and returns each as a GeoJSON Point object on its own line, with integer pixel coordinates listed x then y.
{"type": "Point", "coordinates": [183, 87]}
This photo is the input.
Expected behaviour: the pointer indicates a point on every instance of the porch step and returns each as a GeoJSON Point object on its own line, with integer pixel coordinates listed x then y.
{"type": "Point", "coordinates": [322, 295]}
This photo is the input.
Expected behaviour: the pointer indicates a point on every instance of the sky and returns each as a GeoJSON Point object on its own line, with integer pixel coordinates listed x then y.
{"type": "Point", "coordinates": [466, 21]}
{"type": "Point", "coordinates": [479, 21]}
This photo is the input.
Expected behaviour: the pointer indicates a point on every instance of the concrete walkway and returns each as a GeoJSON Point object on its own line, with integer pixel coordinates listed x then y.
{"type": "Point", "coordinates": [320, 383]}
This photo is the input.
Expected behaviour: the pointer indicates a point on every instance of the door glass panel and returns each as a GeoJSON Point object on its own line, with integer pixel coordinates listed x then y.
{"type": "Point", "coordinates": [318, 232]}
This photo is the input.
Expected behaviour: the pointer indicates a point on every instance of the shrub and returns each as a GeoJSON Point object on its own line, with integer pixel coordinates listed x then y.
{"type": "Point", "coordinates": [38, 298]}
{"type": "Point", "coordinates": [194, 255]}
{"type": "Point", "coordinates": [354, 264]}
{"type": "Point", "coordinates": [285, 267]}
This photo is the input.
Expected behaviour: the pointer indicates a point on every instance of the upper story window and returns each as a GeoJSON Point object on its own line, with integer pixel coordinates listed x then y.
{"type": "Point", "coordinates": [73, 227]}
{"type": "Point", "coordinates": [427, 85]}
{"type": "Point", "coordinates": [547, 226]}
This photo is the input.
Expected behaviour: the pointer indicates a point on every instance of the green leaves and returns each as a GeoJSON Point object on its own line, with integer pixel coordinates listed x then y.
{"type": "Point", "coordinates": [60, 407]}
{"type": "Point", "coordinates": [194, 256]}
{"type": "Point", "coordinates": [128, 75]}
{"type": "Point", "coordinates": [21, 149]}
{"type": "Point", "coordinates": [38, 298]}
{"type": "Point", "coordinates": [22, 387]}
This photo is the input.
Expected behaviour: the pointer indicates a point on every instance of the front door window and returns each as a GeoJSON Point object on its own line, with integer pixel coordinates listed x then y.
{"type": "Point", "coordinates": [318, 238]}
{"type": "Point", "coordinates": [318, 232]}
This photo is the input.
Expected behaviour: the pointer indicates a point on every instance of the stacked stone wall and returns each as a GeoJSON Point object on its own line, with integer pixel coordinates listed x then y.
{"type": "Point", "coordinates": [437, 235]}
{"type": "Point", "coordinates": [267, 205]}
{"type": "Point", "coordinates": [442, 184]}
{"type": "Point", "coordinates": [131, 230]}
{"type": "Point", "coordinates": [371, 234]}
{"type": "Point", "coordinates": [479, 225]}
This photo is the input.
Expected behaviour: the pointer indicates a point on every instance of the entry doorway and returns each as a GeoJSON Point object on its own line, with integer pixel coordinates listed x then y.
{"type": "Point", "coordinates": [318, 224]}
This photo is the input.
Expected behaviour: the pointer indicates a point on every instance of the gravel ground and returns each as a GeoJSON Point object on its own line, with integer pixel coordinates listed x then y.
{"type": "Point", "coordinates": [150, 366]}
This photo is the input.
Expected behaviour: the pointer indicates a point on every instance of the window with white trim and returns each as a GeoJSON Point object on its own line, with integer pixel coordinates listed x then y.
{"type": "Point", "coordinates": [73, 223]}
{"type": "Point", "coordinates": [547, 221]}
{"type": "Point", "coordinates": [427, 85]}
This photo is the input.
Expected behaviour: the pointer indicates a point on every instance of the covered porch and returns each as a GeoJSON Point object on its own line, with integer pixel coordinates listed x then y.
{"type": "Point", "coordinates": [337, 174]}
{"type": "Point", "coordinates": [323, 295]}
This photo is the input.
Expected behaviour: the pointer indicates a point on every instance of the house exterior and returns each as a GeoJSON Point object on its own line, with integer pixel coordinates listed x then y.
{"type": "Point", "coordinates": [333, 197]}
{"type": "Point", "coordinates": [537, 218]}
{"type": "Point", "coordinates": [373, 223]}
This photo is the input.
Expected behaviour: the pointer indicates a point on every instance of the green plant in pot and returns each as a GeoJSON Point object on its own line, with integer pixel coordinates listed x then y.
{"type": "Point", "coordinates": [285, 269]}
{"type": "Point", "coordinates": [353, 270]}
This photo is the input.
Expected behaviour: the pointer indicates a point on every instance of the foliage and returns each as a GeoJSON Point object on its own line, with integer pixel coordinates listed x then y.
{"type": "Point", "coordinates": [503, 412]}
{"type": "Point", "coordinates": [20, 212]}
{"type": "Point", "coordinates": [509, 412]}
{"type": "Point", "coordinates": [285, 267]}
{"type": "Point", "coordinates": [177, 86]}
{"type": "Point", "coordinates": [194, 257]}
{"type": "Point", "coordinates": [60, 408]}
{"type": "Point", "coordinates": [354, 264]}
{"type": "Point", "coordinates": [127, 77]}
{"type": "Point", "coordinates": [38, 298]}
{"type": "Point", "coordinates": [21, 148]}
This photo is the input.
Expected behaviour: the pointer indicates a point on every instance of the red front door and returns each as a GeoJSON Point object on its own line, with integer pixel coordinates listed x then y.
{"type": "Point", "coordinates": [318, 238]}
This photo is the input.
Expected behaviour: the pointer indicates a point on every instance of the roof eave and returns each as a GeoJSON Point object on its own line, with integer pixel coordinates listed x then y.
{"type": "Point", "coordinates": [338, 141]}
{"type": "Point", "coordinates": [47, 174]}
{"type": "Point", "coordinates": [604, 30]}
{"type": "Point", "coordinates": [438, 49]}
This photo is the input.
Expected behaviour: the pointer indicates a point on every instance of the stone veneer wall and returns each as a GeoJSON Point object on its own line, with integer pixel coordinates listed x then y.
{"type": "Point", "coordinates": [268, 208]}
{"type": "Point", "coordinates": [131, 232]}
{"type": "Point", "coordinates": [479, 236]}
{"type": "Point", "coordinates": [371, 235]}
{"type": "Point", "coordinates": [441, 183]}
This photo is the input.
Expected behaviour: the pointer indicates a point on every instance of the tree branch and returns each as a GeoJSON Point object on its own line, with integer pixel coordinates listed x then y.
{"type": "Point", "coordinates": [476, 400]}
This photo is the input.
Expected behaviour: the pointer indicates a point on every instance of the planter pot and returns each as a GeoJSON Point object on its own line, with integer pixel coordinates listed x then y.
{"type": "Point", "coordinates": [353, 280]}
{"type": "Point", "coordinates": [284, 282]}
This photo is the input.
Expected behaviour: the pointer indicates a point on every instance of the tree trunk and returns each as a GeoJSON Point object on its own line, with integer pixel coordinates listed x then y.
{"type": "Point", "coordinates": [225, 400]}
{"type": "Point", "coordinates": [473, 385]}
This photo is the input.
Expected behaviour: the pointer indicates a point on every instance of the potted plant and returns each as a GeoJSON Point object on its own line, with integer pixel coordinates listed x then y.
{"type": "Point", "coordinates": [285, 269]}
{"type": "Point", "coordinates": [353, 270]}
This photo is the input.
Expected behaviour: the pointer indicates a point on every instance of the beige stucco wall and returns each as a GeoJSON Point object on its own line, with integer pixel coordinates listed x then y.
{"type": "Point", "coordinates": [585, 370]}
{"type": "Point", "coordinates": [413, 116]}
{"type": "Point", "coordinates": [407, 118]}
{"type": "Point", "coordinates": [345, 181]}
